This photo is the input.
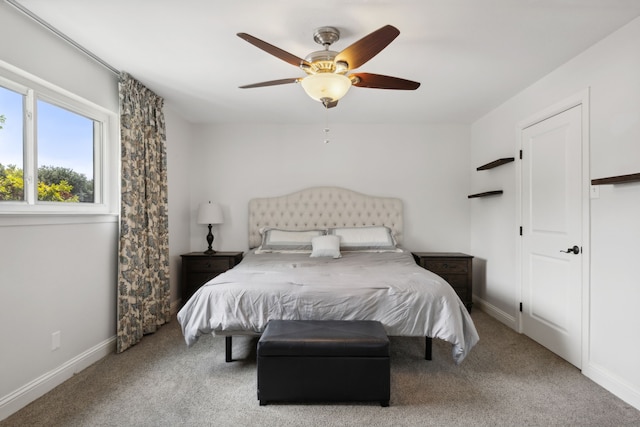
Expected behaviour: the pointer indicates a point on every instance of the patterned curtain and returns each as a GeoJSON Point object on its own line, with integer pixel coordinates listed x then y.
{"type": "Point", "coordinates": [143, 261]}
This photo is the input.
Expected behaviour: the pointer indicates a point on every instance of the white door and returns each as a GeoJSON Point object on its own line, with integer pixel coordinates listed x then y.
{"type": "Point", "coordinates": [552, 227]}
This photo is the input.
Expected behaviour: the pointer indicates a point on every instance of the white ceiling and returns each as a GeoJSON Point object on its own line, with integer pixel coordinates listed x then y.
{"type": "Point", "coordinates": [469, 55]}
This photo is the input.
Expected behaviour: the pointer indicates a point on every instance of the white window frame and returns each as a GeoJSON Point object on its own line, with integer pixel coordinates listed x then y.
{"type": "Point", "coordinates": [106, 166]}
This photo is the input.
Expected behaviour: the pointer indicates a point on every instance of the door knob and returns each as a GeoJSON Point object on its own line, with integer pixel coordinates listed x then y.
{"type": "Point", "coordinates": [575, 250]}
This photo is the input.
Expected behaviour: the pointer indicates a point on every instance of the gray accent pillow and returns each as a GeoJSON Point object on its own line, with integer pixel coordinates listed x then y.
{"type": "Point", "coordinates": [371, 239]}
{"type": "Point", "coordinates": [278, 240]}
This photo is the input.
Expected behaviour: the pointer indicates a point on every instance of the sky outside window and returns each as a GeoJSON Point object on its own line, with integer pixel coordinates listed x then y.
{"type": "Point", "coordinates": [11, 141]}
{"type": "Point", "coordinates": [63, 149]}
{"type": "Point", "coordinates": [65, 139]}
{"type": "Point", "coordinates": [11, 134]}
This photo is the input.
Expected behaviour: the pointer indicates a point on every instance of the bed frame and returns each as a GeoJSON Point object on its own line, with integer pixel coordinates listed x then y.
{"type": "Point", "coordinates": [323, 207]}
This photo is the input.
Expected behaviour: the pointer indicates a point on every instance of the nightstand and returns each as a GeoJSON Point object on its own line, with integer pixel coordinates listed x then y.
{"type": "Point", "coordinates": [454, 267]}
{"type": "Point", "coordinates": [198, 268]}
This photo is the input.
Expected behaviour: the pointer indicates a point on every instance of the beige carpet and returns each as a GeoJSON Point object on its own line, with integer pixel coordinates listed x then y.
{"type": "Point", "coordinates": [507, 380]}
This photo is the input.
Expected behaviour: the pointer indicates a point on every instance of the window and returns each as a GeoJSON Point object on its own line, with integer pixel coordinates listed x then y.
{"type": "Point", "coordinates": [65, 154]}
{"type": "Point", "coordinates": [52, 150]}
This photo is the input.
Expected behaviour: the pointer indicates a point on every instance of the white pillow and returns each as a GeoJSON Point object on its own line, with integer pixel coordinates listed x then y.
{"type": "Point", "coordinates": [278, 240]}
{"type": "Point", "coordinates": [371, 239]}
{"type": "Point", "coordinates": [326, 246]}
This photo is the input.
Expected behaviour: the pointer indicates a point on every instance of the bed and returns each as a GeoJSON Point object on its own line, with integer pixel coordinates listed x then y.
{"type": "Point", "coordinates": [328, 253]}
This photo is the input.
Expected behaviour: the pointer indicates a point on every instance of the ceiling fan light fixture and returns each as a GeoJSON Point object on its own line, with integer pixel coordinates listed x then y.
{"type": "Point", "coordinates": [327, 79]}
{"type": "Point", "coordinates": [323, 86]}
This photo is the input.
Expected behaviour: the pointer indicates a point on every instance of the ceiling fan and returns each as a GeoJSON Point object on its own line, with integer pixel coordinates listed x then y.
{"type": "Point", "coordinates": [328, 73]}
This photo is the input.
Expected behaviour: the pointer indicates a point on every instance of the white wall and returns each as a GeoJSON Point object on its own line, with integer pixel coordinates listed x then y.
{"type": "Point", "coordinates": [53, 276]}
{"type": "Point", "coordinates": [610, 69]}
{"type": "Point", "coordinates": [62, 276]}
{"type": "Point", "coordinates": [424, 165]}
{"type": "Point", "coordinates": [179, 138]}
{"type": "Point", "coordinates": [25, 45]}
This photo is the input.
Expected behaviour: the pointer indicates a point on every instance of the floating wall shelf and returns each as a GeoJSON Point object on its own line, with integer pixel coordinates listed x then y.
{"type": "Point", "coordinates": [485, 194]}
{"type": "Point", "coordinates": [491, 165]}
{"type": "Point", "coordinates": [496, 163]}
{"type": "Point", "coordinates": [620, 179]}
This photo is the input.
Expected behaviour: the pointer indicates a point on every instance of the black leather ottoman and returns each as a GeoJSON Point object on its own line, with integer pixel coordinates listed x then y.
{"type": "Point", "coordinates": [323, 361]}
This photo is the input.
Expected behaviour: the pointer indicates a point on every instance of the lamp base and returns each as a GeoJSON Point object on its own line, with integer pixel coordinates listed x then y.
{"type": "Point", "coordinates": [210, 250]}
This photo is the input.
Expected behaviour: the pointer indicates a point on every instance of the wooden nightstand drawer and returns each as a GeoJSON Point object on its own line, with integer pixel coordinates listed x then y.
{"type": "Point", "coordinates": [198, 268]}
{"type": "Point", "coordinates": [453, 267]}
{"type": "Point", "coordinates": [208, 264]}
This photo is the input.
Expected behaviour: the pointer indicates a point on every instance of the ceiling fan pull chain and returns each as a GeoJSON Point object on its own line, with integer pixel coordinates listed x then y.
{"type": "Point", "coordinates": [326, 125]}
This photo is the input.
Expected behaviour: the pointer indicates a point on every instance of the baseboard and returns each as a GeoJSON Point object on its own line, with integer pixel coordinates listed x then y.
{"type": "Point", "coordinates": [496, 313]}
{"type": "Point", "coordinates": [612, 383]}
{"type": "Point", "coordinates": [31, 391]}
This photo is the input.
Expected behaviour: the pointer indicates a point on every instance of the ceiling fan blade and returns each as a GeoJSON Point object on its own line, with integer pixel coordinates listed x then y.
{"type": "Point", "coordinates": [272, 83]}
{"type": "Point", "coordinates": [378, 81]}
{"type": "Point", "coordinates": [275, 51]}
{"type": "Point", "coordinates": [368, 46]}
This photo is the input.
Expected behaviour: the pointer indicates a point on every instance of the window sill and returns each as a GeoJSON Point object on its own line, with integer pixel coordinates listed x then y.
{"type": "Point", "coordinates": [16, 219]}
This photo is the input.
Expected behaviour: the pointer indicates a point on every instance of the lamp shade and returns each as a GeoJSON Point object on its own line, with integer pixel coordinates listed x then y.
{"type": "Point", "coordinates": [324, 86]}
{"type": "Point", "coordinates": [210, 213]}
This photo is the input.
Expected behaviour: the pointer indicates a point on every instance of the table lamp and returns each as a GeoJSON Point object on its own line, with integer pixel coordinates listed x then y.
{"type": "Point", "coordinates": [210, 213]}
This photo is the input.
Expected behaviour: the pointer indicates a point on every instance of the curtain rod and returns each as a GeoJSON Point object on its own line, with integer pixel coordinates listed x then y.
{"type": "Point", "coordinates": [63, 36]}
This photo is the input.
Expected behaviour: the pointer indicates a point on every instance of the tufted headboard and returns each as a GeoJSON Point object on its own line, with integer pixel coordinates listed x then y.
{"type": "Point", "coordinates": [320, 207]}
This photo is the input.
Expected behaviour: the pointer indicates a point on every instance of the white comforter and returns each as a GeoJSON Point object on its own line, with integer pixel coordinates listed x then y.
{"type": "Point", "coordinates": [389, 287]}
